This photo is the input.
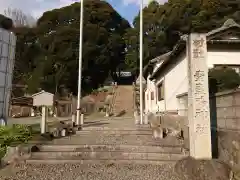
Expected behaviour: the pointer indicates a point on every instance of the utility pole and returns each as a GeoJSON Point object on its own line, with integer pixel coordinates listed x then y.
{"type": "Point", "coordinates": [80, 65]}
{"type": "Point", "coordinates": [141, 61]}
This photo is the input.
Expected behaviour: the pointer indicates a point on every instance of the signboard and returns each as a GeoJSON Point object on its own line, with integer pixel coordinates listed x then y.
{"type": "Point", "coordinates": [43, 99]}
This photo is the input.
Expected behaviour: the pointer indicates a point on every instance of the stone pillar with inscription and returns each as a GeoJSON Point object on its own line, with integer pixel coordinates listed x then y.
{"type": "Point", "coordinates": [198, 98]}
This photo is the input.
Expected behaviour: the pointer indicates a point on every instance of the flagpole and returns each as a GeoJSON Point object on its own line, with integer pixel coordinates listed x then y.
{"type": "Point", "coordinates": [80, 65]}
{"type": "Point", "coordinates": [141, 61]}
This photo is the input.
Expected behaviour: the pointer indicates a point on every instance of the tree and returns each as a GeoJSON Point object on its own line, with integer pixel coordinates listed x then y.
{"type": "Point", "coordinates": [20, 19]}
{"type": "Point", "coordinates": [103, 46]}
{"type": "Point", "coordinates": [55, 40]}
{"type": "Point", "coordinates": [164, 24]}
{"type": "Point", "coordinates": [27, 51]}
{"type": "Point", "coordinates": [225, 78]}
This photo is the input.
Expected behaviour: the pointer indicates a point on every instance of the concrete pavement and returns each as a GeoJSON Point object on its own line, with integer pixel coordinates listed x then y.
{"type": "Point", "coordinates": [34, 120]}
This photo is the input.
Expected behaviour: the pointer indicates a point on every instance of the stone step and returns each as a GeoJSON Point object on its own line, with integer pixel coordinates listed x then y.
{"type": "Point", "coordinates": [121, 107]}
{"type": "Point", "coordinates": [105, 162]}
{"type": "Point", "coordinates": [121, 104]}
{"type": "Point", "coordinates": [126, 112]}
{"type": "Point", "coordinates": [143, 128]}
{"type": "Point", "coordinates": [109, 148]}
{"type": "Point", "coordinates": [112, 155]}
{"type": "Point", "coordinates": [117, 139]}
{"type": "Point", "coordinates": [122, 132]}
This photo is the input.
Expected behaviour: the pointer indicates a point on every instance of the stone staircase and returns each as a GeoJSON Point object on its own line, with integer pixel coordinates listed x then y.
{"type": "Point", "coordinates": [123, 103]}
{"type": "Point", "coordinates": [114, 141]}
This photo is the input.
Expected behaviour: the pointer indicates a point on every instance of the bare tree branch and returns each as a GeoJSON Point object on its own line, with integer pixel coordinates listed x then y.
{"type": "Point", "coordinates": [19, 18]}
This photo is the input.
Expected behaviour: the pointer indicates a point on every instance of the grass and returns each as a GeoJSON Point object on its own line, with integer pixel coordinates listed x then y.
{"type": "Point", "coordinates": [14, 135]}
{"type": "Point", "coordinates": [19, 134]}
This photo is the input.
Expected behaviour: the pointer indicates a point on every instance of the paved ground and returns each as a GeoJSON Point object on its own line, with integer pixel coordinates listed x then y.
{"type": "Point", "coordinates": [33, 120]}
{"type": "Point", "coordinates": [36, 120]}
{"type": "Point", "coordinates": [93, 171]}
{"type": "Point", "coordinates": [89, 172]}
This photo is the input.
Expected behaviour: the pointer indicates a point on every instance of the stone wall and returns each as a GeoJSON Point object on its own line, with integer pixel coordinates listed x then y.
{"type": "Point", "coordinates": [227, 109]}
{"type": "Point", "coordinates": [229, 147]}
{"type": "Point", "coordinates": [224, 109]}
{"type": "Point", "coordinates": [225, 126]}
{"type": "Point", "coordinates": [225, 123]}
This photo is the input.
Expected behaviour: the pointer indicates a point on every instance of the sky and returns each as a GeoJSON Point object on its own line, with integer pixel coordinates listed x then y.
{"type": "Point", "coordinates": [126, 8]}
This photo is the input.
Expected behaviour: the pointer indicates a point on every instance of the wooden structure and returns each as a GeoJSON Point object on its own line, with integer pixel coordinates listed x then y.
{"type": "Point", "coordinates": [21, 107]}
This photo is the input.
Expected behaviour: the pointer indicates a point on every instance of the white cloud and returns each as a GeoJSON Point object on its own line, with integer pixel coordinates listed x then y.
{"type": "Point", "coordinates": [37, 7]}
{"type": "Point", "coordinates": [34, 7]}
{"type": "Point", "coordinates": [137, 2]}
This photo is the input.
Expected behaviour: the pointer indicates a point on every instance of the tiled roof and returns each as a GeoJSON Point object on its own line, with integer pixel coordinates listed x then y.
{"type": "Point", "coordinates": [230, 23]}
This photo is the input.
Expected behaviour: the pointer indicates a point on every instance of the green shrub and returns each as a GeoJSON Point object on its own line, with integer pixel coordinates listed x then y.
{"type": "Point", "coordinates": [15, 134]}
{"type": "Point", "coordinates": [11, 136]}
{"type": "Point", "coordinates": [225, 78]}
{"type": "Point", "coordinates": [2, 151]}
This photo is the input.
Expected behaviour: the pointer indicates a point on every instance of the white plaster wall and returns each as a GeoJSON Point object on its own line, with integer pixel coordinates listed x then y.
{"type": "Point", "coordinates": [176, 80]}
{"type": "Point", "coordinates": [150, 104]}
{"type": "Point", "coordinates": [161, 106]}
{"type": "Point", "coordinates": [183, 105]}
{"type": "Point", "coordinates": [147, 103]}
{"type": "Point", "coordinates": [223, 57]}
{"type": "Point", "coordinates": [176, 83]}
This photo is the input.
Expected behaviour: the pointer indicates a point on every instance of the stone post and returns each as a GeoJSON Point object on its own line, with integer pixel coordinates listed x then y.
{"type": "Point", "coordinates": [145, 118]}
{"type": "Point", "coordinates": [198, 98]}
{"type": "Point", "coordinates": [44, 118]}
{"type": "Point", "coordinates": [82, 119]}
{"type": "Point", "coordinates": [73, 118]}
{"type": "Point", "coordinates": [137, 117]}
{"type": "Point", "coordinates": [32, 112]}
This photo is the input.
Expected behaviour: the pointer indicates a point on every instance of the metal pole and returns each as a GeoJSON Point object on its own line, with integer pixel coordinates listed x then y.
{"type": "Point", "coordinates": [80, 65]}
{"type": "Point", "coordinates": [141, 61]}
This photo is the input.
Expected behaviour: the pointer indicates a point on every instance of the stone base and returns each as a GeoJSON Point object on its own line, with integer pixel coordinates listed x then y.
{"type": "Point", "coordinates": [18, 154]}
{"type": "Point", "coordinates": [63, 132]}
{"type": "Point", "coordinates": [157, 133]}
{"type": "Point", "coordinates": [145, 122]}
{"type": "Point", "coordinates": [136, 117]}
{"type": "Point", "coordinates": [190, 168]}
{"type": "Point", "coordinates": [56, 133]}
{"type": "Point", "coordinates": [77, 128]}
{"type": "Point", "coordinates": [228, 147]}
{"type": "Point", "coordinates": [137, 122]}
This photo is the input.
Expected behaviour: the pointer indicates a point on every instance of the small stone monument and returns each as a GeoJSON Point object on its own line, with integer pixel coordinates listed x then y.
{"type": "Point", "coordinates": [140, 98]}
{"type": "Point", "coordinates": [107, 104]}
{"type": "Point", "coordinates": [2, 121]}
{"type": "Point", "coordinates": [137, 117]}
{"type": "Point", "coordinates": [198, 98]}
